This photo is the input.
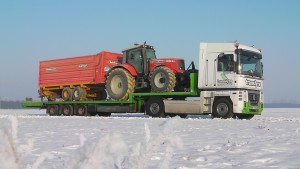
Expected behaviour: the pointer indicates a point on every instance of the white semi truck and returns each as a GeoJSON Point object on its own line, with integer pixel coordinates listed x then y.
{"type": "Point", "coordinates": [229, 83]}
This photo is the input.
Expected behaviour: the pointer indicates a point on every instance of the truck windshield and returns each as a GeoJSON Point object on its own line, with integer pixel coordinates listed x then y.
{"type": "Point", "coordinates": [150, 53]}
{"type": "Point", "coordinates": [250, 64]}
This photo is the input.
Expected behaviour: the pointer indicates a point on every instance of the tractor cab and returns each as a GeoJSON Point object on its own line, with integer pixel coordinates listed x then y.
{"type": "Point", "coordinates": [138, 56]}
{"type": "Point", "coordinates": [141, 71]}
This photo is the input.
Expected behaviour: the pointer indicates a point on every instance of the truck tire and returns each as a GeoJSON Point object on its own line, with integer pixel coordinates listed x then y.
{"type": "Point", "coordinates": [155, 107]}
{"type": "Point", "coordinates": [66, 94]}
{"type": "Point", "coordinates": [245, 116]}
{"type": "Point", "coordinates": [81, 110]}
{"type": "Point", "coordinates": [52, 110]}
{"type": "Point", "coordinates": [162, 79]}
{"type": "Point", "coordinates": [119, 84]}
{"type": "Point", "coordinates": [67, 110]}
{"type": "Point", "coordinates": [79, 94]}
{"type": "Point", "coordinates": [222, 108]}
{"type": "Point", "coordinates": [104, 114]}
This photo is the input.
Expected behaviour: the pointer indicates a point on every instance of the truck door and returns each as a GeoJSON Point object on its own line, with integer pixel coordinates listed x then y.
{"type": "Point", "coordinates": [225, 70]}
{"type": "Point", "coordinates": [136, 60]}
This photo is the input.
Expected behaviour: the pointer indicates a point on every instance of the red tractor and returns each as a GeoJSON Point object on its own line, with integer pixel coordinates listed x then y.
{"type": "Point", "coordinates": [141, 71]}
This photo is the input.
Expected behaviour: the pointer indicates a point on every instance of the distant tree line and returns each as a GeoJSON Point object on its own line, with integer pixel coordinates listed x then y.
{"type": "Point", "coordinates": [11, 104]}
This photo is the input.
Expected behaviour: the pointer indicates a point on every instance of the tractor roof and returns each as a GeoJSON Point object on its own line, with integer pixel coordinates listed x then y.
{"type": "Point", "coordinates": [136, 45]}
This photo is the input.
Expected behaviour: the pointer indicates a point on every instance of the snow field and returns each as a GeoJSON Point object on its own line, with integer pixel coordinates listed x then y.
{"type": "Point", "coordinates": [31, 139]}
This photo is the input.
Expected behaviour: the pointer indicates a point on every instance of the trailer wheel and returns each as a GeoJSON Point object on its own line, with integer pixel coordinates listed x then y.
{"type": "Point", "coordinates": [66, 94]}
{"type": "Point", "coordinates": [245, 116]}
{"type": "Point", "coordinates": [81, 110]}
{"type": "Point", "coordinates": [119, 84]}
{"type": "Point", "coordinates": [155, 107]}
{"type": "Point", "coordinates": [79, 94]}
{"type": "Point", "coordinates": [67, 110]}
{"type": "Point", "coordinates": [222, 108]}
{"type": "Point", "coordinates": [162, 79]}
{"type": "Point", "coordinates": [52, 110]}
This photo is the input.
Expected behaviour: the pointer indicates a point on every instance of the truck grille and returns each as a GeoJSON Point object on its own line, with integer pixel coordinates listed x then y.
{"type": "Point", "coordinates": [253, 98]}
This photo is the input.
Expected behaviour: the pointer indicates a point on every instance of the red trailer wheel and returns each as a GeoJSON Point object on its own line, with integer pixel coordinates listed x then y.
{"type": "Point", "coordinates": [67, 94]}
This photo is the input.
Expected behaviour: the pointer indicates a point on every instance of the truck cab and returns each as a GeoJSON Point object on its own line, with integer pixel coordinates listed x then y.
{"type": "Point", "coordinates": [229, 83]}
{"type": "Point", "coordinates": [231, 73]}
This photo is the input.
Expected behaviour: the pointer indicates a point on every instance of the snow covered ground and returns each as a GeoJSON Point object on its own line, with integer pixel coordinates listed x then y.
{"type": "Point", "coordinates": [32, 140]}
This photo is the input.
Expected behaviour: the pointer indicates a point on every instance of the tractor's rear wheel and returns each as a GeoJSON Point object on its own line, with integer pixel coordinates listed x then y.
{"type": "Point", "coordinates": [162, 79]}
{"type": "Point", "coordinates": [119, 84]}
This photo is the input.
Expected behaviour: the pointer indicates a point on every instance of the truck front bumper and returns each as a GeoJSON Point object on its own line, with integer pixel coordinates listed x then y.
{"type": "Point", "coordinates": [249, 109]}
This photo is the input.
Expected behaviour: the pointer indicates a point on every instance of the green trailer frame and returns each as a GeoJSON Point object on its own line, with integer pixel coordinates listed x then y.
{"type": "Point", "coordinates": [135, 102]}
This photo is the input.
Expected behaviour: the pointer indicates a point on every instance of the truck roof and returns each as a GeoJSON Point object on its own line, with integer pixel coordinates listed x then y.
{"type": "Point", "coordinates": [226, 46]}
{"type": "Point", "coordinates": [136, 45]}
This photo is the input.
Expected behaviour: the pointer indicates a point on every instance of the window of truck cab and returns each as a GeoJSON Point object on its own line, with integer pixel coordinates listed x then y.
{"type": "Point", "coordinates": [226, 63]}
{"type": "Point", "coordinates": [250, 64]}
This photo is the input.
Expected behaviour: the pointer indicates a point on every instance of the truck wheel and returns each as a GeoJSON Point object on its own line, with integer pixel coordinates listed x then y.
{"type": "Point", "coordinates": [67, 110]}
{"type": "Point", "coordinates": [162, 79]}
{"type": "Point", "coordinates": [52, 110]}
{"type": "Point", "coordinates": [66, 94]}
{"type": "Point", "coordinates": [81, 110]}
{"type": "Point", "coordinates": [119, 84]}
{"type": "Point", "coordinates": [155, 107]}
{"type": "Point", "coordinates": [245, 116]}
{"type": "Point", "coordinates": [79, 94]}
{"type": "Point", "coordinates": [183, 116]}
{"type": "Point", "coordinates": [104, 114]}
{"type": "Point", "coordinates": [222, 108]}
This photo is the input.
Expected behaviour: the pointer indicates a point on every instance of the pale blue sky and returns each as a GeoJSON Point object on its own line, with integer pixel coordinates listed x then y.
{"type": "Point", "coordinates": [34, 30]}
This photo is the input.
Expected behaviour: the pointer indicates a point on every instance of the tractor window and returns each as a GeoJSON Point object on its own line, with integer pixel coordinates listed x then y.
{"type": "Point", "coordinates": [135, 59]}
{"type": "Point", "coordinates": [226, 63]}
{"type": "Point", "coordinates": [150, 54]}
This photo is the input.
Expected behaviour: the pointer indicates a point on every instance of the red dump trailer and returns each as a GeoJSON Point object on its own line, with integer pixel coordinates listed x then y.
{"type": "Point", "coordinates": [77, 77]}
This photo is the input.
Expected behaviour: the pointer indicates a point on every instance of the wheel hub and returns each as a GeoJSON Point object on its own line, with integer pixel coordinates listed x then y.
{"type": "Point", "coordinates": [66, 111]}
{"type": "Point", "coordinates": [116, 85]}
{"type": "Point", "coordinates": [80, 111]}
{"type": "Point", "coordinates": [222, 109]}
{"type": "Point", "coordinates": [160, 80]}
{"type": "Point", "coordinates": [154, 108]}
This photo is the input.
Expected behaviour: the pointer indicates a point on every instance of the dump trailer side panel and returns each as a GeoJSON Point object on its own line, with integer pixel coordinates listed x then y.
{"type": "Point", "coordinates": [84, 69]}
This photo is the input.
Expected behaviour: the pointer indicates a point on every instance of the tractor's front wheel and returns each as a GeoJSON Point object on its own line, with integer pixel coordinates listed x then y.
{"type": "Point", "coordinates": [162, 79]}
{"type": "Point", "coordinates": [119, 84]}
